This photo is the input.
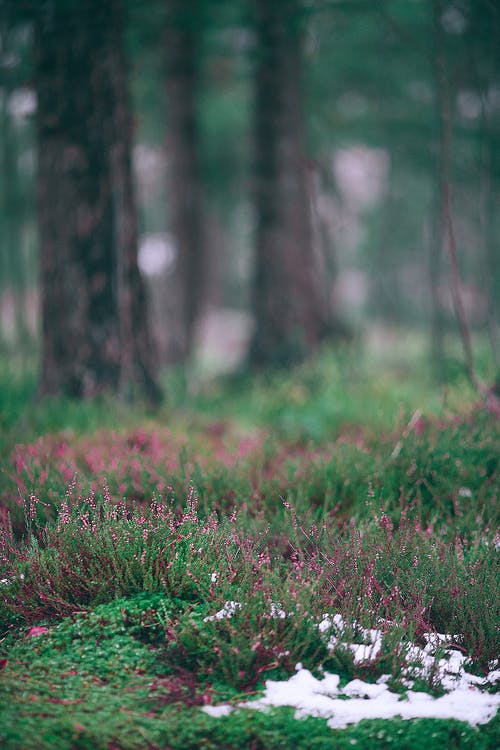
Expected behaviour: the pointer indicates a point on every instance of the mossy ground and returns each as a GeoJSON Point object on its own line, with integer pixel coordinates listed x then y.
{"type": "Point", "coordinates": [338, 487]}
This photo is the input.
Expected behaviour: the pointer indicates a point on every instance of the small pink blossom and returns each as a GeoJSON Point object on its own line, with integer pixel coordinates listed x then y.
{"type": "Point", "coordinates": [386, 522]}
{"type": "Point", "coordinates": [38, 630]}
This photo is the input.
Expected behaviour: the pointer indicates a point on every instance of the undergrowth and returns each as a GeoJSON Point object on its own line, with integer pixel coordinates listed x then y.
{"type": "Point", "coordinates": [164, 562]}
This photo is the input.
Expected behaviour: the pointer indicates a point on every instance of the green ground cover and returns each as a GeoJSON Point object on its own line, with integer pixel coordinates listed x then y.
{"type": "Point", "coordinates": [350, 486]}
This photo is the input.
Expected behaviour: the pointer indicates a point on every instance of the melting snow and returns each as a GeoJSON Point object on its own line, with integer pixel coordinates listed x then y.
{"type": "Point", "coordinates": [227, 611]}
{"type": "Point", "coordinates": [323, 698]}
{"type": "Point", "coordinates": [223, 710]}
{"type": "Point", "coordinates": [466, 695]}
{"type": "Point", "coordinates": [313, 697]}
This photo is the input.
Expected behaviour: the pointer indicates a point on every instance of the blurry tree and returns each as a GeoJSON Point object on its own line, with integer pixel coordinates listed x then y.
{"type": "Point", "coordinates": [183, 58]}
{"type": "Point", "coordinates": [17, 263]}
{"type": "Point", "coordinates": [95, 334]}
{"type": "Point", "coordinates": [288, 305]}
{"type": "Point", "coordinates": [482, 37]}
{"type": "Point", "coordinates": [330, 80]}
{"type": "Point", "coordinates": [10, 193]}
{"type": "Point", "coordinates": [467, 74]}
{"type": "Point", "coordinates": [442, 187]}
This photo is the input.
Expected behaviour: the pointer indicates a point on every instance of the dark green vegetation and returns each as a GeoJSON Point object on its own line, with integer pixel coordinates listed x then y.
{"type": "Point", "coordinates": [128, 537]}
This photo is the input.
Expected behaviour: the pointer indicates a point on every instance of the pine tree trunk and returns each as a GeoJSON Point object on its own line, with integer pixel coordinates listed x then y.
{"type": "Point", "coordinates": [87, 222]}
{"type": "Point", "coordinates": [438, 232]}
{"type": "Point", "coordinates": [288, 305]}
{"type": "Point", "coordinates": [138, 364]}
{"type": "Point", "coordinates": [12, 276]}
{"type": "Point", "coordinates": [185, 207]}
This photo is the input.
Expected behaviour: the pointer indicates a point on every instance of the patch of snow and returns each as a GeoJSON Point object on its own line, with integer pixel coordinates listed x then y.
{"type": "Point", "coordinates": [10, 581]}
{"type": "Point", "coordinates": [448, 671]}
{"type": "Point", "coordinates": [330, 621]}
{"type": "Point", "coordinates": [228, 610]}
{"type": "Point", "coordinates": [466, 698]}
{"type": "Point", "coordinates": [277, 611]}
{"type": "Point", "coordinates": [493, 677]}
{"type": "Point", "coordinates": [223, 710]}
{"type": "Point", "coordinates": [362, 652]}
{"type": "Point", "coordinates": [323, 698]}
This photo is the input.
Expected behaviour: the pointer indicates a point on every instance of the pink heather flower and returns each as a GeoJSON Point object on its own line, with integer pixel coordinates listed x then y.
{"type": "Point", "coordinates": [386, 523]}
{"type": "Point", "coordinates": [92, 499]}
{"type": "Point", "coordinates": [33, 503]}
{"type": "Point", "coordinates": [38, 630]}
{"type": "Point", "coordinates": [64, 514]}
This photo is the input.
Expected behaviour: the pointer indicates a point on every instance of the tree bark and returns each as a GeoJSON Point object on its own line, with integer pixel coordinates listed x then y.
{"type": "Point", "coordinates": [182, 39]}
{"type": "Point", "coordinates": [12, 272]}
{"type": "Point", "coordinates": [447, 231]}
{"type": "Point", "coordinates": [438, 226]}
{"type": "Point", "coordinates": [92, 303]}
{"type": "Point", "coordinates": [289, 311]}
{"type": "Point", "coordinates": [139, 360]}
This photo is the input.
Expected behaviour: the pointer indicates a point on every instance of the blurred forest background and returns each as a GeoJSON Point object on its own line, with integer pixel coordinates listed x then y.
{"type": "Point", "coordinates": [230, 183]}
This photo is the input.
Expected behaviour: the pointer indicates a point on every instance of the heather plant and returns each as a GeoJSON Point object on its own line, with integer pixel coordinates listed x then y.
{"type": "Point", "coordinates": [417, 580]}
{"type": "Point", "coordinates": [252, 639]}
{"type": "Point", "coordinates": [98, 551]}
{"type": "Point", "coordinates": [148, 570]}
{"type": "Point", "coordinates": [447, 469]}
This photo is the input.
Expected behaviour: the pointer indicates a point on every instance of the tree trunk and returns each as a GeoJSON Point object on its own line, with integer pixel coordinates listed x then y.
{"type": "Point", "coordinates": [182, 40]}
{"type": "Point", "coordinates": [92, 303]}
{"type": "Point", "coordinates": [12, 276]}
{"type": "Point", "coordinates": [492, 282]}
{"type": "Point", "coordinates": [288, 306]}
{"type": "Point", "coordinates": [438, 226]}
{"type": "Point", "coordinates": [447, 225]}
{"type": "Point", "coordinates": [138, 356]}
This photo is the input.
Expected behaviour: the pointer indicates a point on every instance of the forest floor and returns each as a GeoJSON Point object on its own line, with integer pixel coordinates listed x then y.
{"type": "Point", "coordinates": [305, 559]}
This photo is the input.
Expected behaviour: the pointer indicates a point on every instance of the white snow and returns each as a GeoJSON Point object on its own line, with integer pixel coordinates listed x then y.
{"type": "Point", "coordinates": [362, 652]}
{"type": "Point", "coordinates": [323, 698]}
{"type": "Point", "coordinates": [10, 581]}
{"type": "Point", "coordinates": [277, 611]}
{"type": "Point", "coordinates": [227, 611]}
{"type": "Point", "coordinates": [466, 696]}
{"type": "Point", "coordinates": [223, 710]}
{"type": "Point", "coordinates": [313, 697]}
{"type": "Point", "coordinates": [230, 608]}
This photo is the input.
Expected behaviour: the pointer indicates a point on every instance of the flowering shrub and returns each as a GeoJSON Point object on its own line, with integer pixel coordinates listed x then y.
{"type": "Point", "coordinates": [190, 572]}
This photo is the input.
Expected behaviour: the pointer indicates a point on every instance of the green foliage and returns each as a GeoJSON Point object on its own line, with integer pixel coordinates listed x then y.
{"type": "Point", "coordinates": [388, 521]}
{"type": "Point", "coordinates": [97, 680]}
{"type": "Point", "coordinates": [261, 640]}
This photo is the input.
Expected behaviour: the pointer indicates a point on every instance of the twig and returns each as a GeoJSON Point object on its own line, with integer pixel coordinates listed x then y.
{"type": "Point", "coordinates": [447, 216]}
